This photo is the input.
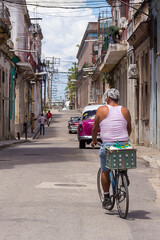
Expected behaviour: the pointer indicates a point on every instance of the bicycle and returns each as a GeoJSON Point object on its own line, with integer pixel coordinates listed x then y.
{"type": "Point", "coordinates": [118, 179]}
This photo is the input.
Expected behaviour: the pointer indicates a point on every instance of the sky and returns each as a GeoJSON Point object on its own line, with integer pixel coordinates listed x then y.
{"type": "Point", "coordinates": [63, 30]}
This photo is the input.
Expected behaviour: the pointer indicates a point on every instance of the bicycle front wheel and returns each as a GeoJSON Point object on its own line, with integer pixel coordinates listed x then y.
{"type": "Point", "coordinates": [101, 192]}
{"type": "Point", "coordinates": [122, 194]}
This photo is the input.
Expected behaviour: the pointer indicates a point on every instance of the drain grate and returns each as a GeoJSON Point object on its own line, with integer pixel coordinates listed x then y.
{"type": "Point", "coordinates": [61, 185]}
{"type": "Point", "coordinates": [33, 154]}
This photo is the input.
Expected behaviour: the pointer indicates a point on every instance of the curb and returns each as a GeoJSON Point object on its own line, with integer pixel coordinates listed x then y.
{"type": "Point", "coordinates": [5, 145]}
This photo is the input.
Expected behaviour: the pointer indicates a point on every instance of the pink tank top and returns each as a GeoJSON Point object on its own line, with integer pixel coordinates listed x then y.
{"type": "Point", "coordinates": [114, 127]}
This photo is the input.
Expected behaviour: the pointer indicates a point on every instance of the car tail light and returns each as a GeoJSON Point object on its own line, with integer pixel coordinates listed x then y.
{"type": "Point", "coordinates": [80, 128]}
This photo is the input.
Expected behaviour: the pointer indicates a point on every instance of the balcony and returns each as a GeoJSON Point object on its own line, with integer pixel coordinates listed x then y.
{"type": "Point", "coordinates": [115, 53]}
{"type": "Point", "coordinates": [139, 26]}
{"type": "Point", "coordinates": [4, 24]}
{"type": "Point", "coordinates": [140, 34]}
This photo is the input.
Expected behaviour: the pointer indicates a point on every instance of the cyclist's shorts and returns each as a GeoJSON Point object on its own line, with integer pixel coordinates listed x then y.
{"type": "Point", "coordinates": [102, 154]}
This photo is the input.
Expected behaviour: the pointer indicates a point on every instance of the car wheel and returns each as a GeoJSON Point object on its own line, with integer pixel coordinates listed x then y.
{"type": "Point", "coordinates": [81, 144]}
{"type": "Point", "coordinates": [70, 132]}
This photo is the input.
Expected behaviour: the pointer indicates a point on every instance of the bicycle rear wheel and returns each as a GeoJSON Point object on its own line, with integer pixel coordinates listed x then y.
{"type": "Point", "coordinates": [101, 192]}
{"type": "Point", "coordinates": [122, 195]}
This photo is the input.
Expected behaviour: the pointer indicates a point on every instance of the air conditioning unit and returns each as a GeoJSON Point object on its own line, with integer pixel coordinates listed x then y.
{"type": "Point", "coordinates": [132, 71]}
{"type": "Point", "coordinates": [123, 22]}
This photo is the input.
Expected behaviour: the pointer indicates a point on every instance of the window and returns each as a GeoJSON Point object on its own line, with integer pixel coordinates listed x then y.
{"type": "Point", "coordinates": [89, 114]}
{"type": "Point", "coordinates": [145, 87]}
{"type": "Point", "coordinates": [124, 9]}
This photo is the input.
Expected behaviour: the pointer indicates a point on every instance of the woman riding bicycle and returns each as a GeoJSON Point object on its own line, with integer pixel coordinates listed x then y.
{"type": "Point", "coordinates": [114, 122]}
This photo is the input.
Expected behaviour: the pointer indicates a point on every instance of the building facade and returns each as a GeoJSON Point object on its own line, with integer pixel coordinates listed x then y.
{"type": "Point", "coordinates": [20, 60]}
{"type": "Point", "coordinates": [138, 71]}
{"type": "Point", "coordinates": [26, 38]}
{"type": "Point", "coordinates": [7, 77]}
{"type": "Point", "coordinates": [155, 74]}
{"type": "Point", "coordinates": [85, 85]}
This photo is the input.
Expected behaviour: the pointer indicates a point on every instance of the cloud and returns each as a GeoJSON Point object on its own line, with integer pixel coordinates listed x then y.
{"type": "Point", "coordinates": [62, 29]}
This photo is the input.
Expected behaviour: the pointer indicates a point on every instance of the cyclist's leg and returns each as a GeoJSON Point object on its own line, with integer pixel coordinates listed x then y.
{"type": "Point", "coordinates": [105, 178]}
{"type": "Point", "coordinates": [104, 171]}
{"type": "Point", "coordinates": [101, 193]}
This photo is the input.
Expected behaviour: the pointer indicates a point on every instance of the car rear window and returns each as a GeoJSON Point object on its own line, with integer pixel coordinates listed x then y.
{"type": "Point", "coordinates": [73, 119]}
{"type": "Point", "coordinates": [89, 114]}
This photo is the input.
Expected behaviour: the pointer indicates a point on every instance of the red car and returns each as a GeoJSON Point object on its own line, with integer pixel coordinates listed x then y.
{"type": "Point", "coordinates": [85, 126]}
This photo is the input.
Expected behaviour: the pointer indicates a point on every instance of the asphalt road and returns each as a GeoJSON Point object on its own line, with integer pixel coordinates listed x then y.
{"type": "Point", "coordinates": [48, 192]}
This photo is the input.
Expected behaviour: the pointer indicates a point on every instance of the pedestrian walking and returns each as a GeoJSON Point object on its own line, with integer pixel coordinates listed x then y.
{"type": "Point", "coordinates": [42, 120]}
{"type": "Point", "coordinates": [32, 122]}
{"type": "Point", "coordinates": [49, 117]}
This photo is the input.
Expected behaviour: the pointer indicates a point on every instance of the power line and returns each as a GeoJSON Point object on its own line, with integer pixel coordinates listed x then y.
{"type": "Point", "coordinates": [68, 3]}
{"type": "Point", "coordinates": [129, 5]}
{"type": "Point", "coordinates": [56, 7]}
{"type": "Point", "coordinates": [62, 16]}
{"type": "Point", "coordinates": [100, 1]}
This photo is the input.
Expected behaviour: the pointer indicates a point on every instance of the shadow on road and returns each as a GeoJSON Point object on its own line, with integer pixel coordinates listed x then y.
{"type": "Point", "coordinates": [40, 155]}
{"type": "Point", "coordinates": [133, 215]}
{"type": "Point", "coordinates": [138, 214]}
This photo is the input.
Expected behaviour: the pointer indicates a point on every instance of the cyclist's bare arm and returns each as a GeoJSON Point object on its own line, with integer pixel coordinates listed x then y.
{"type": "Point", "coordinates": [95, 129]}
{"type": "Point", "coordinates": [127, 116]}
{"type": "Point", "coordinates": [100, 115]}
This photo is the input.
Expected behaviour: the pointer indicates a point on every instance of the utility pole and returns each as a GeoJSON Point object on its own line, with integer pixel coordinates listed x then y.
{"type": "Point", "coordinates": [44, 78]}
{"type": "Point", "coordinates": [50, 70]}
{"type": "Point", "coordinates": [76, 100]}
{"type": "Point", "coordinates": [51, 86]}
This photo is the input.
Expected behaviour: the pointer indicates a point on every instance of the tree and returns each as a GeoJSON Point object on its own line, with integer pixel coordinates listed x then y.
{"type": "Point", "coordinates": [72, 83]}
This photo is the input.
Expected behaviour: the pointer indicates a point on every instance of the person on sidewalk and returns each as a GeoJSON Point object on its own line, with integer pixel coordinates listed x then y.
{"type": "Point", "coordinates": [42, 120]}
{"type": "Point", "coordinates": [49, 117]}
{"type": "Point", "coordinates": [33, 119]}
{"type": "Point", "coordinates": [114, 122]}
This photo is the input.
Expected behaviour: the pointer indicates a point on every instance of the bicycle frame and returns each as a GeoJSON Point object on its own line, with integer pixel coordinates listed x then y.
{"type": "Point", "coordinates": [113, 181]}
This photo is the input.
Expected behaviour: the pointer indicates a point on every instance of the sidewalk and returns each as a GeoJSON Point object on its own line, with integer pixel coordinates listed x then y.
{"type": "Point", "coordinates": [30, 136]}
{"type": "Point", "coordinates": [152, 156]}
